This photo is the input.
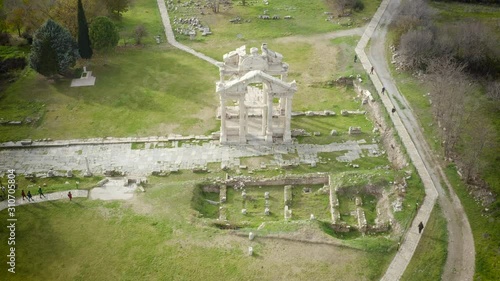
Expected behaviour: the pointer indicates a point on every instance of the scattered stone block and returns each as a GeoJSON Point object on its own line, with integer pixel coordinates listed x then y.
{"type": "Point", "coordinates": [69, 174]}
{"type": "Point", "coordinates": [333, 133]}
{"type": "Point", "coordinates": [344, 112]}
{"type": "Point", "coordinates": [312, 217]}
{"type": "Point", "coordinates": [26, 142]}
{"type": "Point", "coordinates": [102, 182]}
{"type": "Point", "coordinates": [358, 201]}
{"type": "Point", "coordinates": [266, 195]}
{"type": "Point", "coordinates": [244, 195]}
{"type": "Point", "coordinates": [251, 236]}
{"type": "Point", "coordinates": [250, 251]}
{"type": "Point", "coordinates": [354, 130]}
{"type": "Point", "coordinates": [244, 212]}
{"type": "Point", "coordinates": [200, 170]}
{"type": "Point", "coordinates": [266, 211]}
{"type": "Point", "coordinates": [316, 134]}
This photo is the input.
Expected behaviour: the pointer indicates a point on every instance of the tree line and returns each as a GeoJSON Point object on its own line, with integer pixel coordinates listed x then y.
{"type": "Point", "coordinates": [460, 65]}
{"type": "Point", "coordinates": [58, 30]}
{"type": "Point", "coordinates": [25, 16]}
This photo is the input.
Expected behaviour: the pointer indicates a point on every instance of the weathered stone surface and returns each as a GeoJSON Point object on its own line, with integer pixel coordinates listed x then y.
{"type": "Point", "coordinates": [354, 130]}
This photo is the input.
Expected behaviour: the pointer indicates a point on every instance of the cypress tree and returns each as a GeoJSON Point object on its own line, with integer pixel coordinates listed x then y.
{"type": "Point", "coordinates": [83, 34]}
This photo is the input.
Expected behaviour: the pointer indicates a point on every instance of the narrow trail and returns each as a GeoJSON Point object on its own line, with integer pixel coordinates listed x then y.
{"type": "Point", "coordinates": [321, 38]}
{"type": "Point", "coordinates": [460, 262]}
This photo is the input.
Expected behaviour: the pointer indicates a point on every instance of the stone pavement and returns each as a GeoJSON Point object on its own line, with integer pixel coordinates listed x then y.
{"type": "Point", "coordinates": [61, 195]}
{"type": "Point", "coordinates": [171, 37]}
{"type": "Point", "coordinates": [154, 157]}
{"type": "Point", "coordinates": [412, 237]}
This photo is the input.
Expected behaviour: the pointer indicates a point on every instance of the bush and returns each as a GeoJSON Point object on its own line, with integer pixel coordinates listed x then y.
{"type": "Point", "coordinates": [10, 64]}
{"type": "Point", "coordinates": [4, 38]}
{"type": "Point", "coordinates": [358, 6]}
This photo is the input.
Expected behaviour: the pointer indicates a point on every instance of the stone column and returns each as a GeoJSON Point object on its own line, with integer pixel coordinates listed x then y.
{"type": "Point", "coordinates": [264, 120]}
{"type": "Point", "coordinates": [282, 106]}
{"type": "Point", "coordinates": [223, 133]}
{"type": "Point", "coordinates": [221, 73]}
{"type": "Point", "coordinates": [269, 127]}
{"type": "Point", "coordinates": [243, 123]}
{"type": "Point", "coordinates": [284, 76]}
{"type": "Point", "coordinates": [287, 135]}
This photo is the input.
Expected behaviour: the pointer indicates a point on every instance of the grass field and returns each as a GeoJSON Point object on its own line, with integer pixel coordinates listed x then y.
{"type": "Point", "coordinates": [126, 100]}
{"type": "Point", "coordinates": [429, 258]}
{"type": "Point", "coordinates": [307, 18]}
{"type": "Point", "coordinates": [157, 236]}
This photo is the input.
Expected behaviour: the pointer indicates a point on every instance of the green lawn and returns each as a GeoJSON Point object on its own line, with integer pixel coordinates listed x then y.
{"type": "Point", "coordinates": [157, 236]}
{"type": "Point", "coordinates": [430, 256]}
{"type": "Point", "coordinates": [127, 100]}
{"type": "Point", "coordinates": [307, 18]}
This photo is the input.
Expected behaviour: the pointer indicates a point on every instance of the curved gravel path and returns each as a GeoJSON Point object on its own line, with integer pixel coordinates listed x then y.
{"type": "Point", "coordinates": [460, 262]}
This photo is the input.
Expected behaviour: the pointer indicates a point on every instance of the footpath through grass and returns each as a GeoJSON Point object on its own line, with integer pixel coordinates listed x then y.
{"type": "Point", "coordinates": [485, 224]}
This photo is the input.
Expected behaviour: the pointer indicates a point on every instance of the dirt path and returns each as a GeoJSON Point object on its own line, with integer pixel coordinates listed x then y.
{"type": "Point", "coordinates": [322, 38]}
{"type": "Point", "coordinates": [460, 262]}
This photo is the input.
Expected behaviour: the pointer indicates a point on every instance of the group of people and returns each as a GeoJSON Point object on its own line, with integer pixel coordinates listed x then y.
{"type": "Point", "coordinates": [28, 196]}
{"type": "Point", "coordinates": [371, 72]}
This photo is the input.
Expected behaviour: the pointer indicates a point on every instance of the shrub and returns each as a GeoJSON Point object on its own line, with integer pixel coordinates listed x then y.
{"type": "Point", "coordinates": [358, 6]}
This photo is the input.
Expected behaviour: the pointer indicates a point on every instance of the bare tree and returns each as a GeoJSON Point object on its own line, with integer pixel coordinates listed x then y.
{"type": "Point", "coordinates": [450, 88]}
{"type": "Point", "coordinates": [493, 90]}
{"type": "Point", "coordinates": [480, 140]}
{"type": "Point", "coordinates": [139, 33]}
{"type": "Point", "coordinates": [214, 4]}
{"type": "Point", "coordinates": [411, 14]}
{"type": "Point", "coordinates": [416, 48]}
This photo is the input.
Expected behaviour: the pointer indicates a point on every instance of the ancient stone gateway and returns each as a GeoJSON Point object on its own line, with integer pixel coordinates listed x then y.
{"type": "Point", "coordinates": [255, 99]}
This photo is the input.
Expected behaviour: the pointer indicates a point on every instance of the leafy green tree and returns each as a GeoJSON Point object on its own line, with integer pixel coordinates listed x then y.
{"type": "Point", "coordinates": [117, 7]}
{"type": "Point", "coordinates": [103, 34]}
{"type": "Point", "coordinates": [53, 51]}
{"type": "Point", "coordinates": [83, 34]}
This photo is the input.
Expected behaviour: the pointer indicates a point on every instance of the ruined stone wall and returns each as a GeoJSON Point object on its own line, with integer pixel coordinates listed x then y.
{"type": "Point", "coordinates": [287, 180]}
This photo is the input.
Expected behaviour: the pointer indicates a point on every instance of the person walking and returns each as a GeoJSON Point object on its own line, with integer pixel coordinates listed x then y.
{"type": "Point", "coordinates": [70, 196]}
{"type": "Point", "coordinates": [355, 58]}
{"type": "Point", "coordinates": [383, 90]}
{"type": "Point", "coordinates": [30, 197]}
{"type": "Point", "coordinates": [420, 227]}
{"type": "Point", "coordinates": [40, 192]}
{"type": "Point", "coordinates": [371, 70]}
{"type": "Point", "coordinates": [393, 110]}
{"type": "Point", "coordinates": [23, 194]}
